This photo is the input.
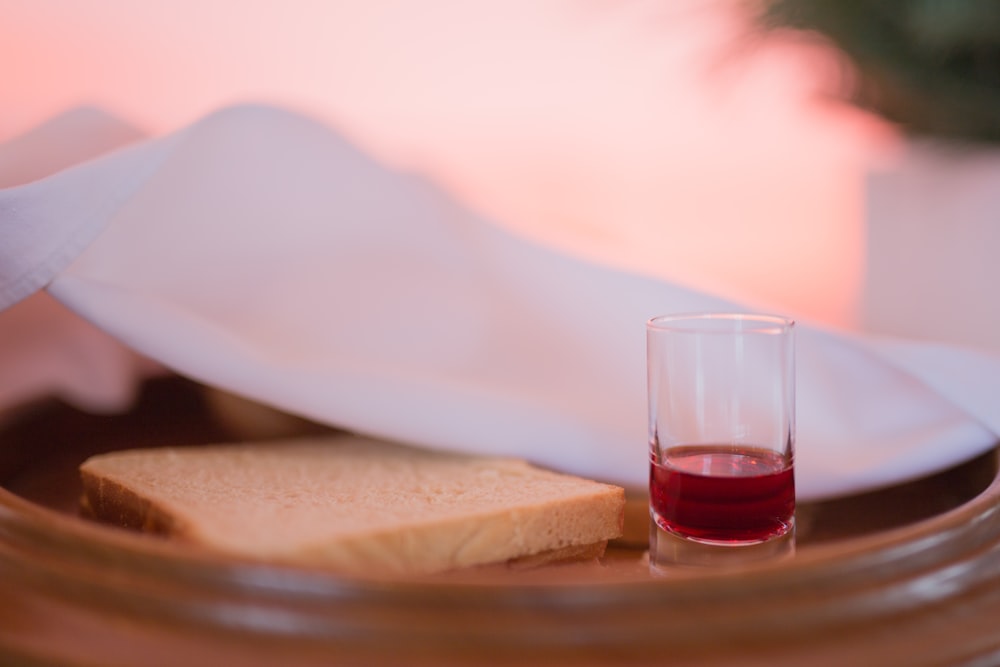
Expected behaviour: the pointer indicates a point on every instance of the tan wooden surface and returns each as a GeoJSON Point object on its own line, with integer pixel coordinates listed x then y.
{"type": "Point", "coordinates": [903, 576]}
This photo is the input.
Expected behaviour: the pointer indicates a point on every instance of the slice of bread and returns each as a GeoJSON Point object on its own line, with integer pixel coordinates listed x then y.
{"type": "Point", "coordinates": [353, 504]}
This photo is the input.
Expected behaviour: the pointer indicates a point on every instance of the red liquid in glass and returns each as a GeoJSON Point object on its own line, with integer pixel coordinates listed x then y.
{"type": "Point", "coordinates": [722, 493]}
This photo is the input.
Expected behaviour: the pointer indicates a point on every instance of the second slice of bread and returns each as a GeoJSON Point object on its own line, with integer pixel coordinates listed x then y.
{"type": "Point", "coordinates": [353, 504]}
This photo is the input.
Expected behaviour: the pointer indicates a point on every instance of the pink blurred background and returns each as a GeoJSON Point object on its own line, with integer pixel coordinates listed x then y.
{"type": "Point", "coordinates": [663, 136]}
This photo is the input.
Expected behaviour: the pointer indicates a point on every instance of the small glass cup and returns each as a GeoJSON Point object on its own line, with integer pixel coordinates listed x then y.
{"type": "Point", "coordinates": [721, 439]}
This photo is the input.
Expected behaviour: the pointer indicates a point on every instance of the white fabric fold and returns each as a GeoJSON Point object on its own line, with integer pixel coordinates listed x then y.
{"type": "Point", "coordinates": [42, 234]}
{"type": "Point", "coordinates": [260, 252]}
{"type": "Point", "coordinates": [45, 349]}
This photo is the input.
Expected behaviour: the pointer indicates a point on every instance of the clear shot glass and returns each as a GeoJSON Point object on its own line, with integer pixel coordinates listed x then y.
{"type": "Point", "coordinates": [721, 390]}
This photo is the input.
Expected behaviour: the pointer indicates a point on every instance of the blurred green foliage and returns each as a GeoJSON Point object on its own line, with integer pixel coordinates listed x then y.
{"type": "Point", "coordinates": [930, 66]}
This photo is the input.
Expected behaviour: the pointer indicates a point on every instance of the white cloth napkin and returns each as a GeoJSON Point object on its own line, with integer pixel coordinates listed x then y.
{"type": "Point", "coordinates": [259, 252]}
{"type": "Point", "coordinates": [45, 349]}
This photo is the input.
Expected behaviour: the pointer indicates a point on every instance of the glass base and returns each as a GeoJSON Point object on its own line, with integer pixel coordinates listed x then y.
{"type": "Point", "coordinates": [669, 551]}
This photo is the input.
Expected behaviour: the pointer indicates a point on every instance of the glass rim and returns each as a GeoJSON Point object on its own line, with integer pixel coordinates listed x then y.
{"type": "Point", "coordinates": [701, 323]}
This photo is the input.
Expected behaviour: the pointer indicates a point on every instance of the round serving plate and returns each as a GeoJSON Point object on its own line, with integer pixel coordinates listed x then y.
{"type": "Point", "coordinates": [906, 575]}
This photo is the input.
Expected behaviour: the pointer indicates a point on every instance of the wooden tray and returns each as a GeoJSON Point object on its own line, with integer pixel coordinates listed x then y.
{"type": "Point", "coordinates": [904, 575]}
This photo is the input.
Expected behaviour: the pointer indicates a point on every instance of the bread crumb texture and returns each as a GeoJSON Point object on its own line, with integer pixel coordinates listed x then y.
{"type": "Point", "coordinates": [351, 503]}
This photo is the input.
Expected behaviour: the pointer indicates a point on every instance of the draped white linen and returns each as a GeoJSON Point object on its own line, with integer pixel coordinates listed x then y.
{"type": "Point", "coordinates": [258, 251]}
